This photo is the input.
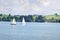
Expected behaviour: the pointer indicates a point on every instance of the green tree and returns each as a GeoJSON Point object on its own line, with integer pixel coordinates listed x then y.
{"type": "Point", "coordinates": [40, 18]}
{"type": "Point", "coordinates": [56, 14]}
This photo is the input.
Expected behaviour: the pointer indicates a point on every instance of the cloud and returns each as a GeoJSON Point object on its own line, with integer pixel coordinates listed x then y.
{"type": "Point", "coordinates": [16, 6]}
{"type": "Point", "coordinates": [36, 8]}
{"type": "Point", "coordinates": [29, 6]}
{"type": "Point", "coordinates": [55, 5]}
{"type": "Point", "coordinates": [46, 3]}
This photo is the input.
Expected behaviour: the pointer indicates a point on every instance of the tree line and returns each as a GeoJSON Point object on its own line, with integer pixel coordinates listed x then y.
{"type": "Point", "coordinates": [30, 18]}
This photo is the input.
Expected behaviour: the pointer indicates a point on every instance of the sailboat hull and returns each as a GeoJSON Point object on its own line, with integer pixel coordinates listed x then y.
{"type": "Point", "coordinates": [13, 23]}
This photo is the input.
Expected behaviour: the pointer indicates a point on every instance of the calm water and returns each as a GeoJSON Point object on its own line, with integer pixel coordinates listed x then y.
{"type": "Point", "coordinates": [30, 31]}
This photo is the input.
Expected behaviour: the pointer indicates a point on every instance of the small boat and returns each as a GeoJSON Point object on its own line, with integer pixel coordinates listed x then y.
{"type": "Point", "coordinates": [13, 22]}
{"type": "Point", "coordinates": [23, 21]}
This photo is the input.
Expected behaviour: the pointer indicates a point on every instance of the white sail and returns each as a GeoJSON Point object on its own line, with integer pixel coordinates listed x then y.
{"type": "Point", "coordinates": [23, 21]}
{"type": "Point", "coordinates": [13, 22]}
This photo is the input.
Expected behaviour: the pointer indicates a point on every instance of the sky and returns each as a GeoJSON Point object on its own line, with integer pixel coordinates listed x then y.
{"type": "Point", "coordinates": [29, 7]}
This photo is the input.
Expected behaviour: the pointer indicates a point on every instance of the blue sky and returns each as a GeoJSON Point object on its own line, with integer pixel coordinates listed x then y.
{"type": "Point", "coordinates": [25, 7]}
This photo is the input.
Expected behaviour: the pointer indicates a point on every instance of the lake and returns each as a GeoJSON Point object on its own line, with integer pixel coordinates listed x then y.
{"type": "Point", "coordinates": [30, 31]}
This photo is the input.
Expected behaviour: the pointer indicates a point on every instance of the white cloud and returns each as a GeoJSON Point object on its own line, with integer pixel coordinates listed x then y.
{"type": "Point", "coordinates": [55, 5]}
{"type": "Point", "coordinates": [16, 6]}
{"type": "Point", "coordinates": [46, 3]}
{"type": "Point", "coordinates": [36, 8]}
{"type": "Point", "coordinates": [26, 6]}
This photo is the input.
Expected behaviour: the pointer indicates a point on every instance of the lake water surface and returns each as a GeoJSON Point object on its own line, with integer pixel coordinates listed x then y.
{"type": "Point", "coordinates": [30, 31]}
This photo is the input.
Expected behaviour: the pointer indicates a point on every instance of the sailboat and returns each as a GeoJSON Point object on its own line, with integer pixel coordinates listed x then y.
{"type": "Point", "coordinates": [23, 21]}
{"type": "Point", "coordinates": [13, 22]}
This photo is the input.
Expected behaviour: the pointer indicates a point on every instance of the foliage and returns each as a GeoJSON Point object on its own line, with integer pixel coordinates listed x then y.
{"type": "Point", "coordinates": [31, 18]}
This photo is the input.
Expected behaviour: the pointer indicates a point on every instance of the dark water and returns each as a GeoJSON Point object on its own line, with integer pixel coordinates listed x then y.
{"type": "Point", "coordinates": [30, 31]}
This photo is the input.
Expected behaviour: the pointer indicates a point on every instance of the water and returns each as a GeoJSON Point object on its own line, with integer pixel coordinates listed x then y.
{"type": "Point", "coordinates": [30, 31]}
